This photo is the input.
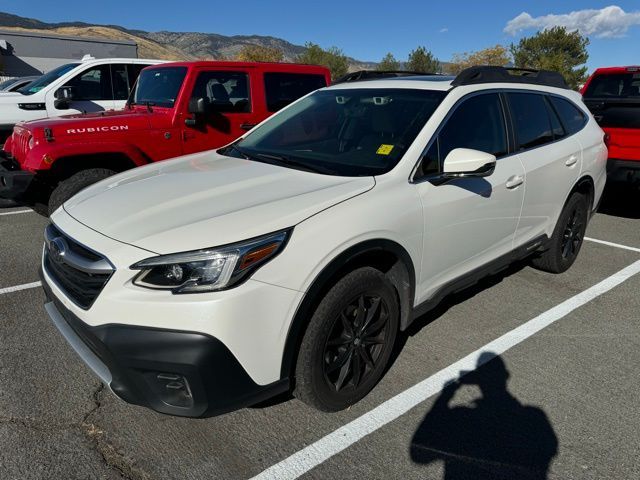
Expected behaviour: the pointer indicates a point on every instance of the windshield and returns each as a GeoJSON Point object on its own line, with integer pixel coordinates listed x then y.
{"type": "Point", "coordinates": [158, 86]}
{"type": "Point", "coordinates": [618, 85]}
{"type": "Point", "coordinates": [350, 132]}
{"type": "Point", "coordinates": [47, 78]}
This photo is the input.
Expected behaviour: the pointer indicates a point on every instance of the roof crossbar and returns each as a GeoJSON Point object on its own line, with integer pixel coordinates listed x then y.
{"type": "Point", "coordinates": [494, 74]}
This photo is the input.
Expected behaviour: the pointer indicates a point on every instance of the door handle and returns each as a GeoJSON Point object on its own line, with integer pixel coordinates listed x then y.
{"type": "Point", "coordinates": [514, 181]}
{"type": "Point", "coordinates": [571, 160]}
{"type": "Point", "coordinates": [247, 126]}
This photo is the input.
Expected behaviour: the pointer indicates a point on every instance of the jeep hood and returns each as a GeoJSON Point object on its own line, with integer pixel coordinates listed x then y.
{"type": "Point", "coordinates": [205, 200]}
{"type": "Point", "coordinates": [90, 124]}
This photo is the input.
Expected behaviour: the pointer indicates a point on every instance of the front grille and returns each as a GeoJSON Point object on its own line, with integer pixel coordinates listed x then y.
{"type": "Point", "coordinates": [69, 271]}
{"type": "Point", "coordinates": [20, 143]}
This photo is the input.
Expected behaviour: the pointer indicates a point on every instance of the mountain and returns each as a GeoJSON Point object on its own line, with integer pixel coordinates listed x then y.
{"type": "Point", "coordinates": [165, 45]}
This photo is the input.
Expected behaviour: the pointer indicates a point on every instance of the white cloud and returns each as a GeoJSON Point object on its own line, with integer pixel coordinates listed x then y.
{"type": "Point", "coordinates": [608, 22]}
{"type": "Point", "coordinates": [444, 30]}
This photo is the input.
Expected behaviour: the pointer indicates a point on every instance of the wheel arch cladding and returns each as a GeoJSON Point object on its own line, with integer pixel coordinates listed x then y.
{"type": "Point", "coordinates": [385, 255]}
{"type": "Point", "coordinates": [586, 186]}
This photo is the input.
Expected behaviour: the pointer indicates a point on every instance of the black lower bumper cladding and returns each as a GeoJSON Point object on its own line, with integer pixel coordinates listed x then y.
{"type": "Point", "coordinates": [623, 170]}
{"type": "Point", "coordinates": [174, 372]}
{"type": "Point", "coordinates": [13, 181]}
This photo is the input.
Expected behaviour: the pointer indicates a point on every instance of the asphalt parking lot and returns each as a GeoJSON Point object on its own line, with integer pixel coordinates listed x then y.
{"type": "Point", "coordinates": [556, 395]}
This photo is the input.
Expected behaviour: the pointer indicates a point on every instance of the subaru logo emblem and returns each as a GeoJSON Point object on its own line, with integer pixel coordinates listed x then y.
{"type": "Point", "coordinates": [57, 249]}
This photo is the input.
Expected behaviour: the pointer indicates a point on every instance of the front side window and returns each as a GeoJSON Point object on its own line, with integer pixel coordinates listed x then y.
{"type": "Point", "coordinates": [477, 123]}
{"type": "Point", "coordinates": [228, 92]}
{"type": "Point", "coordinates": [47, 79]}
{"type": "Point", "coordinates": [283, 88]}
{"type": "Point", "coordinates": [350, 132]}
{"type": "Point", "coordinates": [531, 120]}
{"type": "Point", "coordinates": [92, 84]}
{"type": "Point", "coordinates": [158, 86]}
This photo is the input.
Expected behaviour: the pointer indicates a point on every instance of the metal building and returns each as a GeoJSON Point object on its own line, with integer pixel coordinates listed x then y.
{"type": "Point", "coordinates": [32, 53]}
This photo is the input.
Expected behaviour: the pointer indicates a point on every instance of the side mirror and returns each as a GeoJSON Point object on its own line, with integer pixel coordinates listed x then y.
{"type": "Point", "coordinates": [63, 98]}
{"type": "Point", "coordinates": [199, 106]}
{"type": "Point", "coordinates": [465, 162]}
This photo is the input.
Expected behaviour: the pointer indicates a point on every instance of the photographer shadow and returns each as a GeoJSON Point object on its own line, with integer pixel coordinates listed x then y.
{"type": "Point", "coordinates": [496, 437]}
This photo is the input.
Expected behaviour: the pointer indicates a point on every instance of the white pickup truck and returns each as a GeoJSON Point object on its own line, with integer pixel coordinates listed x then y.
{"type": "Point", "coordinates": [90, 85]}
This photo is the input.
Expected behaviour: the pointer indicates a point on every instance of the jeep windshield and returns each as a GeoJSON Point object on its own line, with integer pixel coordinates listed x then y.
{"type": "Point", "coordinates": [617, 85]}
{"type": "Point", "coordinates": [158, 87]}
{"type": "Point", "coordinates": [46, 79]}
{"type": "Point", "coordinates": [347, 132]}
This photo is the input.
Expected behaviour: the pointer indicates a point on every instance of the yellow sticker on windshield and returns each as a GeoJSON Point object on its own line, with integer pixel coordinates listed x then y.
{"type": "Point", "coordinates": [384, 149]}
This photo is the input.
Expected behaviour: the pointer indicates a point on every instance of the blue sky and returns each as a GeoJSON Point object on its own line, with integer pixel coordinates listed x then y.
{"type": "Point", "coordinates": [368, 29]}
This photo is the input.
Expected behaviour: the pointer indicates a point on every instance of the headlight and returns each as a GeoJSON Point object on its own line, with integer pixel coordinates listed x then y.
{"type": "Point", "coordinates": [210, 269]}
{"type": "Point", "coordinates": [32, 142]}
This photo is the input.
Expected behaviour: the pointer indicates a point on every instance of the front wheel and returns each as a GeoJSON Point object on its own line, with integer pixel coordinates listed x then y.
{"type": "Point", "coordinates": [567, 237]}
{"type": "Point", "coordinates": [69, 187]}
{"type": "Point", "coordinates": [349, 341]}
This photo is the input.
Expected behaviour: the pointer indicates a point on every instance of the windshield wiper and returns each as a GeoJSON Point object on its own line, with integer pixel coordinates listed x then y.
{"type": "Point", "coordinates": [294, 163]}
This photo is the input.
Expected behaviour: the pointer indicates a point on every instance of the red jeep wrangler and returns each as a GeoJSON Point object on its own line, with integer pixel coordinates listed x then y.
{"type": "Point", "coordinates": [175, 109]}
{"type": "Point", "coordinates": [613, 96]}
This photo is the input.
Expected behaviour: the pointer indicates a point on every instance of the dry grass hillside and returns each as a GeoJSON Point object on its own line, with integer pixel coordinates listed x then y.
{"type": "Point", "coordinates": [146, 48]}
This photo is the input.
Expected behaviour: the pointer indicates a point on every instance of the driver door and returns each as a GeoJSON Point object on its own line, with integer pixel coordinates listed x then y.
{"type": "Point", "coordinates": [468, 222]}
{"type": "Point", "coordinates": [92, 91]}
{"type": "Point", "coordinates": [230, 112]}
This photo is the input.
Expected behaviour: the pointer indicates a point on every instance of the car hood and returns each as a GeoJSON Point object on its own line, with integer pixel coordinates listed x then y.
{"type": "Point", "coordinates": [10, 96]}
{"type": "Point", "coordinates": [206, 200]}
{"type": "Point", "coordinates": [90, 124]}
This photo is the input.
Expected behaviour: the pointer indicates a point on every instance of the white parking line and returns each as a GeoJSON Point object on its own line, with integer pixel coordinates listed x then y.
{"type": "Point", "coordinates": [17, 288]}
{"type": "Point", "coordinates": [335, 442]}
{"type": "Point", "coordinates": [611, 244]}
{"type": "Point", "coordinates": [15, 212]}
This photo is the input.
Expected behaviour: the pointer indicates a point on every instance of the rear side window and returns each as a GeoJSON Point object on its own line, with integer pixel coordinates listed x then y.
{"type": "Point", "coordinates": [531, 120]}
{"type": "Point", "coordinates": [478, 123]}
{"type": "Point", "coordinates": [227, 91]}
{"type": "Point", "coordinates": [283, 88]}
{"type": "Point", "coordinates": [572, 117]}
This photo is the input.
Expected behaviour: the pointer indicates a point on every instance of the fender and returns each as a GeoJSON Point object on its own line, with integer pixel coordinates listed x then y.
{"type": "Point", "coordinates": [402, 275]}
{"type": "Point", "coordinates": [34, 160]}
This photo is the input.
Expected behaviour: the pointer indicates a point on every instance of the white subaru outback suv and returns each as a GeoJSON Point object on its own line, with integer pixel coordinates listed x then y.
{"type": "Point", "coordinates": [295, 257]}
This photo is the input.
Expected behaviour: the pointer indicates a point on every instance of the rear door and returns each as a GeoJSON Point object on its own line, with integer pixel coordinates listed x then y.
{"type": "Point", "coordinates": [230, 93]}
{"type": "Point", "coordinates": [551, 156]}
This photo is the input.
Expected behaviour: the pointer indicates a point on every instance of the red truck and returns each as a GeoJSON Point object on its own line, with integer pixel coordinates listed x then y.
{"type": "Point", "coordinates": [175, 109]}
{"type": "Point", "coordinates": [613, 96]}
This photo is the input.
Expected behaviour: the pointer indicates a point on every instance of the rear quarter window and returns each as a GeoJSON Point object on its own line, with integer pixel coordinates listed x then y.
{"type": "Point", "coordinates": [571, 116]}
{"type": "Point", "coordinates": [283, 88]}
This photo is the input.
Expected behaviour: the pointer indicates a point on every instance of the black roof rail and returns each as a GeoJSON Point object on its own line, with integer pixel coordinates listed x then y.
{"type": "Point", "coordinates": [494, 74]}
{"type": "Point", "coordinates": [376, 74]}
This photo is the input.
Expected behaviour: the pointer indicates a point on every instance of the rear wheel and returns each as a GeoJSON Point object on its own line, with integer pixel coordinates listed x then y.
{"type": "Point", "coordinates": [349, 341]}
{"type": "Point", "coordinates": [69, 187]}
{"type": "Point", "coordinates": [567, 237]}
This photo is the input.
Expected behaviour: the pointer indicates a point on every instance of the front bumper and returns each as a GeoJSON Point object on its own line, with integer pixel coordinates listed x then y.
{"type": "Point", "coordinates": [14, 182]}
{"type": "Point", "coordinates": [174, 372]}
{"type": "Point", "coordinates": [623, 170]}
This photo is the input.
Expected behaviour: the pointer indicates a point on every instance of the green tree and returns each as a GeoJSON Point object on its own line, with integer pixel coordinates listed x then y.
{"type": "Point", "coordinates": [259, 53]}
{"type": "Point", "coordinates": [422, 60]}
{"type": "Point", "coordinates": [554, 49]}
{"type": "Point", "coordinates": [496, 55]}
{"type": "Point", "coordinates": [388, 62]}
{"type": "Point", "coordinates": [333, 58]}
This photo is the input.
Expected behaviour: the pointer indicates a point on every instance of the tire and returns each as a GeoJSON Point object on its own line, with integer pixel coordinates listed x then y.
{"type": "Point", "coordinates": [567, 237]}
{"type": "Point", "coordinates": [345, 352]}
{"type": "Point", "coordinates": [69, 187]}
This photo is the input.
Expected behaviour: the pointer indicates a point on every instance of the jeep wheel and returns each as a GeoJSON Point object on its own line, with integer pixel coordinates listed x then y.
{"type": "Point", "coordinates": [348, 344]}
{"type": "Point", "coordinates": [72, 185]}
{"type": "Point", "coordinates": [567, 237]}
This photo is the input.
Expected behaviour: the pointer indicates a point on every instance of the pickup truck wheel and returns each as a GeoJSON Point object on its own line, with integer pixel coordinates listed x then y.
{"type": "Point", "coordinates": [349, 341]}
{"type": "Point", "coordinates": [567, 237]}
{"type": "Point", "coordinates": [69, 187]}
